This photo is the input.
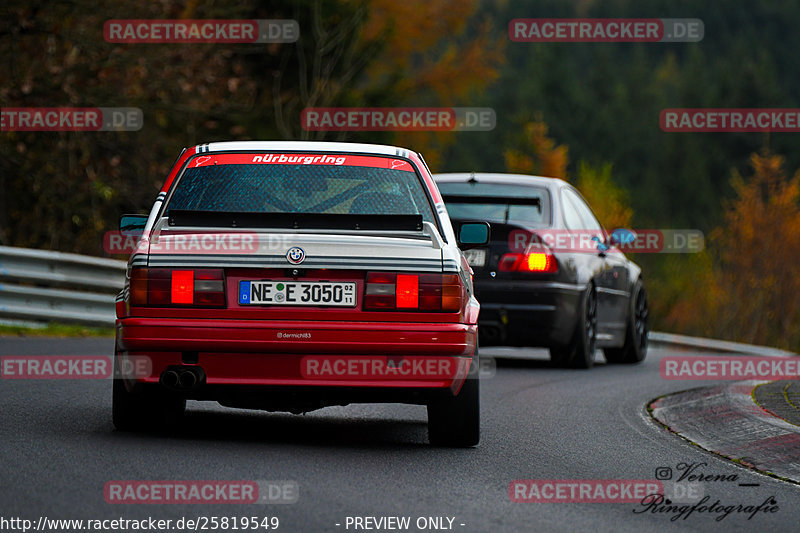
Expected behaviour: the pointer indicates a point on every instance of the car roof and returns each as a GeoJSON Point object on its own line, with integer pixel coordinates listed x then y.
{"type": "Point", "coordinates": [302, 146]}
{"type": "Point", "coordinates": [499, 177]}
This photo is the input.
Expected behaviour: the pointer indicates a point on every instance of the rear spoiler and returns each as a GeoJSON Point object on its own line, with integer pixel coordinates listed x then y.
{"type": "Point", "coordinates": [323, 221]}
{"type": "Point", "coordinates": [409, 225]}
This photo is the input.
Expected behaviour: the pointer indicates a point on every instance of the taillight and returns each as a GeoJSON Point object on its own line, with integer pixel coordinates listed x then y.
{"type": "Point", "coordinates": [138, 286]}
{"type": "Point", "coordinates": [528, 262]}
{"type": "Point", "coordinates": [167, 287]}
{"type": "Point", "coordinates": [407, 292]}
{"type": "Point", "coordinates": [209, 288]}
{"type": "Point", "coordinates": [182, 290]}
{"type": "Point", "coordinates": [412, 292]}
{"type": "Point", "coordinates": [380, 291]}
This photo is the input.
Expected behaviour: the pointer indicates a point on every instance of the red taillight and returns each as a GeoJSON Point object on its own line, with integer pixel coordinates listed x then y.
{"type": "Point", "coordinates": [413, 292]}
{"type": "Point", "coordinates": [539, 262]}
{"type": "Point", "coordinates": [528, 262]}
{"type": "Point", "coordinates": [508, 262]}
{"type": "Point", "coordinates": [407, 292]}
{"type": "Point", "coordinates": [182, 291]}
{"type": "Point", "coordinates": [165, 287]}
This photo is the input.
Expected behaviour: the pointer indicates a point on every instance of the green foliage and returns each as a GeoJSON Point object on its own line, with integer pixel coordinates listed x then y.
{"type": "Point", "coordinates": [603, 100]}
{"type": "Point", "coordinates": [608, 201]}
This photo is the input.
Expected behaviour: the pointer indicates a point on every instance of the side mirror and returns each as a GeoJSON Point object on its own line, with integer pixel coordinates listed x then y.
{"type": "Point", "coordinates": [132, 225]}
{"type": "Point", "coordinates": [472, 234]}
{"type": "Point", "coordinates": [621, 237]}
{"type": "Point", "coordinates": [602, 247]}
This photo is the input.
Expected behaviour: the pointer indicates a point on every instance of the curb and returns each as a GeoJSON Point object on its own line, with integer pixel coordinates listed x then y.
{"type": "Point", "coordinates": [725, 420]}
{"type": "Point", "coordinates": [780, 398]}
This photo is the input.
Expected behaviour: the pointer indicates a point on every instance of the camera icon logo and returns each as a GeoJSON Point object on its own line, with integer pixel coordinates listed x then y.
{"type": "Point", "coordinates": [663, 473]}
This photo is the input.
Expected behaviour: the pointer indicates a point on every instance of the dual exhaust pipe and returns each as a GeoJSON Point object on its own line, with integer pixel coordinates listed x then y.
{"type": "Point", "coordinates": [183, 378]}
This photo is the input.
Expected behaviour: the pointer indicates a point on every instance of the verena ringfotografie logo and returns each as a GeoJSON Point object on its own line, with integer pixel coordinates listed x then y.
{"type": "Point", "coordinates": [729, 368]}
{"type": "Point", "coordinates": [71, 119]}
{"type": "Point", "coordinates": [398, 119]}
{"type": "Point", "coordinates": [73, 366]}
{"type": "Point", "coordinates": [201, 31]}
{"type": "Point", "coordinates": [723, 120]}
{"type": "Point", "coordinates": [610, 30]}
{"type": "Point", "coordinates": [626, 241]}
{"type": "Point", "coordinates": [201, 492]}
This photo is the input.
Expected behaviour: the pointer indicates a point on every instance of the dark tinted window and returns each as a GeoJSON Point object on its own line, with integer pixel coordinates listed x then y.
{"type": "Point", "coordinates": [497, 202]}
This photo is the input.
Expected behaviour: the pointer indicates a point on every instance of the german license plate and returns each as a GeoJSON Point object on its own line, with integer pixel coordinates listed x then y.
{"type": "Point", "coordinates": [476, 257]}
{"type": "Point", "coordinates": [318, 293]}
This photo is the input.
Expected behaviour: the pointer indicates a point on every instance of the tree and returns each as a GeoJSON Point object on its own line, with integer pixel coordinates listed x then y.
{"type": "Point", "coordinates": [537, 153]}
{"type": "Point", "coordinates": [62, 190]}
{"type": "Point", "coordinates": [609, 202]}
{"type": "Point", "coordinates": [759, 255]}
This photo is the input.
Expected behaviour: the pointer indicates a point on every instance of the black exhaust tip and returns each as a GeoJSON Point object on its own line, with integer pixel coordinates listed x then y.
{"type": "Point", "coordinates": [170, 378]}
{"type": "Point", "coordinates": [187, 379]}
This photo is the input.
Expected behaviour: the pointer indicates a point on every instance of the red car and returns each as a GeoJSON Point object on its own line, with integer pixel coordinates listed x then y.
{"type": "Point", "coordinates": [290, 276]}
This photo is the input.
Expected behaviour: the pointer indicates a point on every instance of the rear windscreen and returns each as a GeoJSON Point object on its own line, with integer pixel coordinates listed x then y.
{"type": "Point", "coordinates": [495, 202]}
{"type": "Point", "coordinates": [301, 183]}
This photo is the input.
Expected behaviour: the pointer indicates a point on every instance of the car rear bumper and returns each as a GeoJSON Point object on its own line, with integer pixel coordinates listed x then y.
{"type": "Point", "coordinates": [252, 353]}
{"type": "Point", "coordinates": [527, 313]}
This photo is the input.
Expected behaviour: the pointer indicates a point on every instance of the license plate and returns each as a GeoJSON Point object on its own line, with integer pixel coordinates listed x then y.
{"type": "Point", "coordinates": [318, 293]}
{"type": "Point", "coordinates": [476, 257]}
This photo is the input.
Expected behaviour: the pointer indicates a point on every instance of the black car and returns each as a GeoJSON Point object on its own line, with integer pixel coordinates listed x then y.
{"type": "Point", "coordinates": [551, 276]}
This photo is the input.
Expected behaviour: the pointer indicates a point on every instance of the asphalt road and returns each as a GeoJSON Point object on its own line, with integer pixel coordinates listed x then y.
{"type": "Point", "coordinates": [59, 449]}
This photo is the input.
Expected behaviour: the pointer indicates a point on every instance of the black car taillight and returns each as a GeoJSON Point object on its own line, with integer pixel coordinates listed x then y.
{"type": "Point", "coordinates": [412, 292]}
{"type": "Point", "coordinates": [540, 261]}
{"type": "Point", "coordinates": [177, 288]}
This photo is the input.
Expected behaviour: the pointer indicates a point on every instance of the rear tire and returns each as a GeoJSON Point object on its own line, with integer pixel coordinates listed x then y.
{"type": "Point", "coordinates": [144, 410]}
{"type": "Point", "coordinates": [635, 348]}
{"type": "Point", "coordinates": [580, 351]}
{"type": "Point", "coordinates": [454, 421]}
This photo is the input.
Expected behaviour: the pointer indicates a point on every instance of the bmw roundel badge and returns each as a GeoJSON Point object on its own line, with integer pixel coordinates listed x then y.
{"type": "Point", "coordinates": [295, 255]}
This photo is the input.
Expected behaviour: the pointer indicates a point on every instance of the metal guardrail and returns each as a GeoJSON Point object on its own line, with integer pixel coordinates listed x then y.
{"type": "Point", "coordinates": [713, 345]}
{"type": "Point", "coordinates": [40, 286]}
{"type": "Point", "coordinates": [44, 286]}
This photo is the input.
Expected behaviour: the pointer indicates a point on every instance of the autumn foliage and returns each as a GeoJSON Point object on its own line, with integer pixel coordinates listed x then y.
{"type": "Point", "coordinates": [608, 200]}
{"type": "Point", "coordinates": [540, 155]}
{"type": "Point", "coordinates": [759, 255]}
{"type": "Point", "coordinates": [537, 154]}
{"type": "Point", "coordinates": [747, 287]}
